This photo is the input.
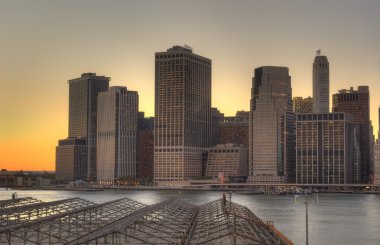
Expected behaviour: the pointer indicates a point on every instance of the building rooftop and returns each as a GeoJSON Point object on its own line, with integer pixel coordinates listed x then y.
{"type": "Point", "coordinates": [361, 89]}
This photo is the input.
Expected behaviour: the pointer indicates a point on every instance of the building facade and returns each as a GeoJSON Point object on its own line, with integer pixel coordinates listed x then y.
{"type": "Point", "coordinates": [234, 130]}
{"type": "Point", "coordinates": [145, 146]}
{"type": "Point", "coordinates": [227, 160]}
{"type": "Point", "coordinates": [321, 84]}
{"type": "Point", "coordinates": [324, 148]}
{"type": "Point", "coordinates": [371, 153]}
{"type": "Point", "coordinates": [216, 118]}
{"type": "Point", "coordinates": [83, 101]}
{"type": "Point", "coordinates": [26, 178]}
{"type": "Point", "coordinates": [356, 102]}
{"type": "Point", "coordinates": [376, 174]}
{"type": "Point", "coordinates": [376, 155]}
{"type": "Point", "coordinates": [303, 105]}
{"type": "Point", "coordinates": [71, 160]}
{"type": "Point", "coordinates": [116, 134]}
{"type": "Point", "coordinates": [271, 127]}
{"type": "Point", "coordinates": [182, 125]}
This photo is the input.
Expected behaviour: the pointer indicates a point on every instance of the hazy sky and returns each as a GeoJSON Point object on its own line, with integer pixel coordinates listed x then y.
{"type": "Point", "coordinates": [45, 43]}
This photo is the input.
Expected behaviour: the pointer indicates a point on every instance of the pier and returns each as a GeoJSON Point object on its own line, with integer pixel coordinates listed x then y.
{"type": "Point", "coordinates": [125, 221]}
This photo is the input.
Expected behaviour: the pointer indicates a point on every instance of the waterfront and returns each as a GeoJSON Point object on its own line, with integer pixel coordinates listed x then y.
{"type": "Point", "coordinates": [336, 219]}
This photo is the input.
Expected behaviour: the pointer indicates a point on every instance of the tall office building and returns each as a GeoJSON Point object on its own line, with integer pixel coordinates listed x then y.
{"type": "Point", "coordinates": [182, 115]}
{"type": "Point", "coordinates": [303, 105]}
{"type": "Point", "coordinates": [356, 102]}
{"type": "Point", "coordinates": [321, 84]}
{"type": "Point", "coordinates": [83, 100]}
{"type": "Point", "coordinates": [271, 127]}
{"type": "Point", "coordinates": [324, 148]}
{"type": "Point", "coordinates": [116, 134]}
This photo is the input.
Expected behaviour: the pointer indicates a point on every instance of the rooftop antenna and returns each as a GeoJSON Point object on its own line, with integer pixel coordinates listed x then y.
{"type": "Point", "coordinates": [318, 52]}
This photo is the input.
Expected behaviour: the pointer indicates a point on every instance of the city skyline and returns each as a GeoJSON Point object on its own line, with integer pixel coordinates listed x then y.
{"type": "Point", "coordinates": [39, 58]}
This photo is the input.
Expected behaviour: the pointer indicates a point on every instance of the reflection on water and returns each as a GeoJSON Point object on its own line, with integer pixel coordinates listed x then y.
{"type": "Point", "coordinates": [336, 219]}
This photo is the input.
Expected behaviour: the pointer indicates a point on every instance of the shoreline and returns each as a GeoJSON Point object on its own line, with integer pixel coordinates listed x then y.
{"type": "Point", "coordinates": [240, 191]}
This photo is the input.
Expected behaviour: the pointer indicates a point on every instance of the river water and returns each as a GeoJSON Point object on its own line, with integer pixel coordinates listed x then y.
{"type": "Point", "coordinates": [334, 219]}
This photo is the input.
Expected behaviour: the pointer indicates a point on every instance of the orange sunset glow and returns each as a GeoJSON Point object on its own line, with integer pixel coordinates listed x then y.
{"type": "Point", "coordinates": [44, 44]}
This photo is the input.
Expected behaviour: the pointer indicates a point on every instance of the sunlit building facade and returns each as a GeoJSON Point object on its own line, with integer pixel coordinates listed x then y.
{"type": "Point", "coordinates": [271, 127]}
{"type": "Point", "coordinates": [117, 135]}
{"type": "Point", "coordinates": [182, 125]}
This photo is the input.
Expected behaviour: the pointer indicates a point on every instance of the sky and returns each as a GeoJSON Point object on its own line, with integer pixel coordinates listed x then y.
{"type": "Point", "coordinates": [44, 43]}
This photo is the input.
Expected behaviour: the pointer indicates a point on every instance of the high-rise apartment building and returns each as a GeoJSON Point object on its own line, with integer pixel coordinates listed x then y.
{"type": "Point", "coordinates": [324, 148]}
{"type": "Point", "coordinates": [182, 115]}
{"type": "Point", "coordinates": [303, 105]}
{"type": "Point", "coordinates": [356, 102]}
{"type": "Point", "coordinates": [116, 134]}
{"type": "Point", "coordinates": [271, 127]}
{"type": "Point", "coordinates": [83, 100]}
{"type": "Point", "coordinates": [321, 84]}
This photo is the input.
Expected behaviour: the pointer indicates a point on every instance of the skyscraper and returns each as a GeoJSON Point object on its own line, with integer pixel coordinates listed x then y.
{"type": "Point", "coordinates": [271, 128]}
{"type": "Point", "coordinates": [116, 134]}
{"type": "Point", "coordinates": [321, 84]}
{"type": "Point", "coordinates": [83, 100]}
{"type": "Point", "coordinates": [356, 102]}
{"type": "Point", "coordinates": [182, 114]}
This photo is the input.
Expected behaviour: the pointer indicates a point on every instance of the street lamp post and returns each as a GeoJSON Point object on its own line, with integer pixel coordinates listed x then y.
{"type": "Point", "coordinates": [306, 202]}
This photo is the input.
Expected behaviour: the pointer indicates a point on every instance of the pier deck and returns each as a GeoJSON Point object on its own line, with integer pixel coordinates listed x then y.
{"type": "Point", "coordinates": [125, 221]}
